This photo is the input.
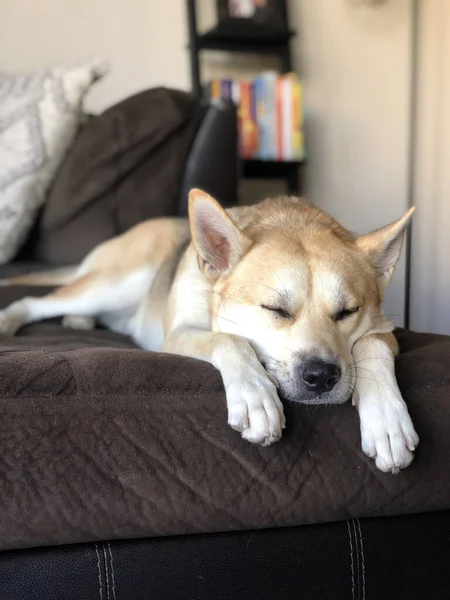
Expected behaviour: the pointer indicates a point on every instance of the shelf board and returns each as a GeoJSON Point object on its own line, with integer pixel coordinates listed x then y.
{"type": "Point", "coordinates": [244, 38]}
{"type": "Point", "coordinates": [269, 169]}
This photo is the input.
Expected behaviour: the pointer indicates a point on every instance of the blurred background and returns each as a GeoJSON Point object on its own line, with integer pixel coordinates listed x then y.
{"type": "Point", "coordinates": [371, 79]}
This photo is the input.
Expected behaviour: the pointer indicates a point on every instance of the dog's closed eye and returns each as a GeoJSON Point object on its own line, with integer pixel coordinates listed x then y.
{"type": "Point", "coordinates": [345, 313]}
{"type": "Point", "coordinates": [281, 312]}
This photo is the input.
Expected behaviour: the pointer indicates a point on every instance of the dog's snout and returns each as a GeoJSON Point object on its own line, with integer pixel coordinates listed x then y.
{"type": "Point", "coordinates": [320, 376]}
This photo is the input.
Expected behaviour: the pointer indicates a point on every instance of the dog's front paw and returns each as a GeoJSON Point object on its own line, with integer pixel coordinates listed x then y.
{"type": "Point", "coordinates": [387, 432]}
{"type": "Point", "coordinates": [255, 410]}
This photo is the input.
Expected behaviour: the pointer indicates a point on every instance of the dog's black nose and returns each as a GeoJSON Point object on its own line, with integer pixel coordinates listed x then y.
{"type": "Point", "coordinates": [320, 376]}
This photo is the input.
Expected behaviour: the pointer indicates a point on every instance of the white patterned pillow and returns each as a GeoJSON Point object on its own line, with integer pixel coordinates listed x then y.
{"type": "Point", "coordinates": [39, 117]}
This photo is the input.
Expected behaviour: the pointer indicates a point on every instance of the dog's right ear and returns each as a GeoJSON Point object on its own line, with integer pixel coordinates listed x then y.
{"type": "Point", "coordinates": [383, 247]}
{"type": "Point", "coordinates": [218, 242]}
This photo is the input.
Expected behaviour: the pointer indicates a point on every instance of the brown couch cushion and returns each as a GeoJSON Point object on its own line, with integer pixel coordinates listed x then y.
{"type": "Point", "coordinates": [125, 166]}
{"type": "Point", "coordinates": [99, 440]}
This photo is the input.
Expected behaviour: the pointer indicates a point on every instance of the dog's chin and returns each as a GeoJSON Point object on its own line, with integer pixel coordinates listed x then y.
{"type": "Point", "coordinates": [301, 396]}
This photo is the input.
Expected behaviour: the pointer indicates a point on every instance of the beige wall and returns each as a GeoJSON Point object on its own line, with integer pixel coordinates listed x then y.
{"type": "Point", "coordinates": [430, 277]}
{"type": "Point", "coordinates": [355, 63]}
{"type": "Point", "coordinates": [144, 40]}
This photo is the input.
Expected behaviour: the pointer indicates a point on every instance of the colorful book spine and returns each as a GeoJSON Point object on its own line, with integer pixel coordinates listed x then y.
{"type": "Point", "coordinates": [236, 92]}
{"type": "Point", "coordinates": [237, 99]}
{"type": "Point", "coordinates": [216, 89]}
{"type": "Point", "coordinates": [279, 118]}
{"type": "Point", "coordinates": [246, 126]}
{"type": "Point", "coordinates": [302, 146]}
{"type": "Point", "coordinates": [225, 87]}
{"type": "Point", "coordinates": [260, 116]}
{"type": "Point", "coordinates": [254, 125]}
{"type": "Point", "coordinates": [269, 115]}
{"type": "Point", "coordinates": [297, 133]}
{"type": "Point", "coordinates": [286, 118]}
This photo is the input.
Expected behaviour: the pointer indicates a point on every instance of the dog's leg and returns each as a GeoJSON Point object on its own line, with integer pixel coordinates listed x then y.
{"type": "Point", "coordinates": [89, 295]}
{"type": "Point", "coordinates": [387, 432]}
{"type": "Point", "coordinates": [254, 408]}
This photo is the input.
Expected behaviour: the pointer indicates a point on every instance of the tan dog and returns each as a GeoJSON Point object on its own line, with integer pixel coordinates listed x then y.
{"type": "Point", "coordinates": [278, 297]}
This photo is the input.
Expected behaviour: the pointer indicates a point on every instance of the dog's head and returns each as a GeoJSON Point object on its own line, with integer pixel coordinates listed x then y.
{"type": "Point", "coordinates": [297, 286]}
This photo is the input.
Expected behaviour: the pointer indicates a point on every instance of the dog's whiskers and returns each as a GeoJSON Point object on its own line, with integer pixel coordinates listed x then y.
{"type": "Point", "coordinates": [283, 284]}
{"type": "Point", "coordinates": [268, 287]}
{"type": "Point", "coordinates": [227, 319]}
{"type": "Point", "coordinates": [357, 361]}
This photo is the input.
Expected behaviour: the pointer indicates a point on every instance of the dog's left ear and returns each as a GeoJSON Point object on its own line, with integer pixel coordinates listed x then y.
{"type": "Point", "coordinates": [383, 247]}
{"type": "Point", "coordinates": [218, 242]}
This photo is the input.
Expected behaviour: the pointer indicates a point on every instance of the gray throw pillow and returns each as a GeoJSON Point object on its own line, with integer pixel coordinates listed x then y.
{"type": "Point", "coordinates": [39, 117]}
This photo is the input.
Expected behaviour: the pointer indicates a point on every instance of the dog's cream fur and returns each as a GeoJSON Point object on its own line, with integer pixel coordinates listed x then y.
{"type": "Point", "coordinates": [278, 297]}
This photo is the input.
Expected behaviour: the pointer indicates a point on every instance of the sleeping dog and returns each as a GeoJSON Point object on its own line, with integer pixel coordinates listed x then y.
{"type": "Point", "coordinates": [277, 296]}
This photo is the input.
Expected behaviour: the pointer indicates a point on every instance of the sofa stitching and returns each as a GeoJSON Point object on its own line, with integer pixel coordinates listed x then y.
{"type": "Point", "coordinates": [363, 561]}
{"type": "Point", "coordinates": [78, 373]}
{"type": "Point", "coordinates": [106, 571]}
{"type": "Point", "coordinates": [351, 559]}
{"type": "Point", "coordinates": [99, 573]}
{"type": "Point", "coordinates": [357, 556]}
{"type": "Point", "coordinates": [112, 571]}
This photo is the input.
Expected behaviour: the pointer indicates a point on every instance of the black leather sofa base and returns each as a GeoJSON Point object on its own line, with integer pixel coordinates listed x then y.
{"type": "Point", "coordinates": [393, 558]}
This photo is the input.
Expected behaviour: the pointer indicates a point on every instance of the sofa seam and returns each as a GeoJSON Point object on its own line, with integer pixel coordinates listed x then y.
{"type": "Point", "coordinates": [94, 395]}
{"type": "Point", "coordinates": [358, 562]}
{"type": "Point", "coordinates": [106, 571]}
{"type": "Point", "coordinates": [100, 588]}
{"type": "Point", "coordinates": [362, 561]}
{"type": "Point", "coordinates": [351, 559]}
{"type": "Point", "coordinates": [112, 571]}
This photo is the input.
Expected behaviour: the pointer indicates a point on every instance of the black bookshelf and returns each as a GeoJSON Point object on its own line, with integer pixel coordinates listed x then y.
{"type": "Point", "coordinates": [273, 169]}
{"type": "Point", "coordinates": [255, 39]}
{"type": "Point", "coordinates": [245, 39]}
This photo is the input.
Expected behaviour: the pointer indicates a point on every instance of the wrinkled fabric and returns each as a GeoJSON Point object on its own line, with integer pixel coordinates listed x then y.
{"type": "Point", "coordinates": [100, 440]}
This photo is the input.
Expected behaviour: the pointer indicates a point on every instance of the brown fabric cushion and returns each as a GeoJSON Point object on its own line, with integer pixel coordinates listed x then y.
{"type": "Point", "coordinates": [125, 166]}
{"type": "Point", "coordinates": [99, 440]}
{"type": "Point", "coordinates": [21, 268]}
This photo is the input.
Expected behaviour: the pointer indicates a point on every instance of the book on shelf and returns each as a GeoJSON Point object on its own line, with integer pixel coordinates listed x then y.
{"type": "Point", "coordinates": [269, 114]}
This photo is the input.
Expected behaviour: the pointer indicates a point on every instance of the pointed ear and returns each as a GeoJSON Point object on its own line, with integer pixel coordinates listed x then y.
{"type": "Point", "coordinates": [218, 242]}
{"type": "Point", "coordinates": [383, 247]}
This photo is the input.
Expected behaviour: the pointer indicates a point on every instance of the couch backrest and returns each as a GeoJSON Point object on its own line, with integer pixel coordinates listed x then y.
{"type": "Point", "coordinates": [212, 164]}
{"type": "Point", "coordinates": [125, 166]}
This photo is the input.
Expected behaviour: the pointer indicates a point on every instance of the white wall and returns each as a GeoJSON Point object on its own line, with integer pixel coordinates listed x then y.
{"type": "Point", "coordinates": [430, 274]}
{"type": "Point", "coordinates": [355, 62]}
{"type": "Point", "coordinates": [144, 40]}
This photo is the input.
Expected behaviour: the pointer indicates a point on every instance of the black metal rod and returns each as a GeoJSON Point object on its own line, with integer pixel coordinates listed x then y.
{"type": "Point", "coordinates": [194, 48]}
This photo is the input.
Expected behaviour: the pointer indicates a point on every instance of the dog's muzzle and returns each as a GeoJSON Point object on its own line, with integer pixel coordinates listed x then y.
{"type": "Point", "coordinates": [314, 381]}
{"type": "Point", "coordinates": [319, 376]}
